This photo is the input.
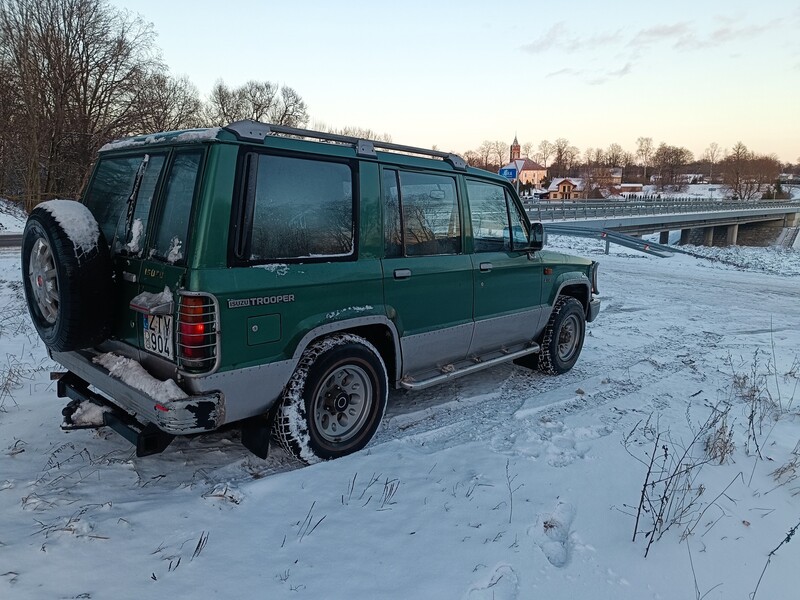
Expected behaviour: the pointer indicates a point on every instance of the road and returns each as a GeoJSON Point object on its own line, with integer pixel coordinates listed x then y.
{"type": "Point", "coordinates": [10, 240]}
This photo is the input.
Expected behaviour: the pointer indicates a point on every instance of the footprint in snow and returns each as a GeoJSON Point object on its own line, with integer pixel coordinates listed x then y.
{"type": "Point", "coordinates": [552, 533]}
{"type": "Point", "coordinates": [502, 585]}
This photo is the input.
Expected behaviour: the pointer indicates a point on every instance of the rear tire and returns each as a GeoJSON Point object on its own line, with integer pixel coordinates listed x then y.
{"type": "Point", "coordinates": [334, 401]}
{"type": "Point", "coordinates": [67, 290]}
{"type": "Point", "coordinates": [562, 340]}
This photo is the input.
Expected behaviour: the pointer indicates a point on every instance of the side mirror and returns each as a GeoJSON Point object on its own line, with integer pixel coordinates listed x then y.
{"type": "Point", "coordinates": [536, 241]}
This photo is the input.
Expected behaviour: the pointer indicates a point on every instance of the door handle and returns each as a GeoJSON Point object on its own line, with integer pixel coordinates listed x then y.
{"type": "Point", "coordinates": [402, 273]}
{"type": "Point", "coordinates": [486, 267]}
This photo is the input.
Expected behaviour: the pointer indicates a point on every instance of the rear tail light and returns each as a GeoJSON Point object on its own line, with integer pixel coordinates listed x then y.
{"type": "Point", "coordinates": [198, 333]}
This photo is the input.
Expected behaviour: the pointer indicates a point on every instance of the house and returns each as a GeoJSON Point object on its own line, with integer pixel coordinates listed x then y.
{"type": "Point", "coordinates": [604, 177]}
{"type": "Point", "coordinates": [529, 172]}
{"type": "Point", "coordinates": [626, 189]}
{"type": "Point", "coordinates": [567, 188]}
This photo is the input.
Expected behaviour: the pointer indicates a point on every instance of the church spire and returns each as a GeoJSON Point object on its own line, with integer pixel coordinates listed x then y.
{"type": "Point", "coordinates": [515, 149]}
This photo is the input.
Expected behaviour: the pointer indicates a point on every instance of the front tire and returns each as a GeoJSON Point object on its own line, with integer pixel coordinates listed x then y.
{"type": "Point", "coordinates": [335, 400]}
{"type": "Point", "coordinates": [563, 337]}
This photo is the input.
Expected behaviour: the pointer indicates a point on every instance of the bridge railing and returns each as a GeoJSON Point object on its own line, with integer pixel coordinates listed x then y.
{"type": "Point", "coordinates": [554, 210]}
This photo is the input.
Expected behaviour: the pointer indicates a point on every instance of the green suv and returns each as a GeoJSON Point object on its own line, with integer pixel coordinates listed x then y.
{"type": "Point", "coordinates": [285, 280]}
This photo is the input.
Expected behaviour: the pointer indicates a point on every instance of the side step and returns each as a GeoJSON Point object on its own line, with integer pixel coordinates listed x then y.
{"type": "Point", "coordinates": [451, 372]}
{"type": "Point", "coordinates": [148, 439]}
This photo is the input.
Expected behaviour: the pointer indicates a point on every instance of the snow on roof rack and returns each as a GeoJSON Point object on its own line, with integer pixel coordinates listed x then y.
{"type": "Point", "coordinates": [254, 131]}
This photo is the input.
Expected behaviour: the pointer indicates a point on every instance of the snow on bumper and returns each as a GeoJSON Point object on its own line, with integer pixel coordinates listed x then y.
{"type": "Point", "coordinates": [136, 392]}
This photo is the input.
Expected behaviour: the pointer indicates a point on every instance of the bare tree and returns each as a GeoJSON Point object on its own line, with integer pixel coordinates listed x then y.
{"type": "Point", "coordinates": [73, 67]}
{"type": "Point", "coordinates": [501, 152]}
{"type": "Point", "coordinates": [166, 103]}
{"type": "Point", "coordinates": [644, 151]}
{"type": "Point", "coordinates": [565, 158]}
{"type": "Point", "coordinates": [746, 174]}
{"type": "Point", "coordinates": [628, 160]}
{"type": "Point", "coordinates": [711, 155]}
{"type": "Point", "coordinates": [668, 162]}
{"type": "Point", "coordinates": [595, 157]}
{"type": "Point", "coordinates": [352, 131]}
{"type": "Point", "coordinates": [527, 149]}
{"type": "Point", "coordinates": [485, 151]}
{"type": "Point", "coordinates": [473, 158]}
{"type": "Point", "coordinates": [545, 151]}
{"type": "Point", "coordinates": [257, 100]}
{"type": "Point", "coordinates": [613, 156]}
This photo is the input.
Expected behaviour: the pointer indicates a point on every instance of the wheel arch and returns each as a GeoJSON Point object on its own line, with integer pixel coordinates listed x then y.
{"type": "Point", "coordinates": [575, 287]}
{"type": "Point", "coordinates": [377, 330]}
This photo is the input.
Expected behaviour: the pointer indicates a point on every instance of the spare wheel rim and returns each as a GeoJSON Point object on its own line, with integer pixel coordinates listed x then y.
{"type": "Point", "coordinates": [44, 280]}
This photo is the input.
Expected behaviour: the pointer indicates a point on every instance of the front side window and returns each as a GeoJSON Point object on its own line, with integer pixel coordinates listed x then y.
{"type": "Point", "coordinates": [487, 204]}
{"type": "Point", "coordinates": [303, 208]}
{"type": "Point", "coordinates": [430, 215]}
{"type": "Point", "coordinates": [497, 223]}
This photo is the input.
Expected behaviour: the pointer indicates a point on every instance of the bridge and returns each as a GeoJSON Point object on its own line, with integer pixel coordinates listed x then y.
{"type": "Point", "coordinates": [703, 221]}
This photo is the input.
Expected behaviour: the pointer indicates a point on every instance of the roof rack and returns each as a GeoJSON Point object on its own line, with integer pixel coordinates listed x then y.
{"type": "Point", "coordinates": [254, 131]}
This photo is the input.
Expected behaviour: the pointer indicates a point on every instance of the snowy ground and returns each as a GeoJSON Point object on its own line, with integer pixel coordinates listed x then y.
{"type": "Point", "coordinates": [709, 190]}
{"type": "Point", "coordinates": [504, 484]}
{"type": "Point", "coordinates": [12, 217]}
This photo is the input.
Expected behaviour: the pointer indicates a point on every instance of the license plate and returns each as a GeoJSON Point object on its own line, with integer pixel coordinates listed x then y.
{"type": "Point", "coordinates": [158, 335]}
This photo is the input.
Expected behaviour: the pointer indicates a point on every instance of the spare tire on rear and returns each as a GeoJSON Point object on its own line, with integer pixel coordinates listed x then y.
{"type": "Point", "coordinates": [66, 272]}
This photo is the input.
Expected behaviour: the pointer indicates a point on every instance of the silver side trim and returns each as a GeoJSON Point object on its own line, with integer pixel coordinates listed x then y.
{"type": "Point", "coordinates": [409, 384]}
{"type": "Point", "coordinates": [423, 351]}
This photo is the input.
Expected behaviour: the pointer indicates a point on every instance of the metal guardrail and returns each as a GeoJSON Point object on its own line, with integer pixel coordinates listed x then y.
{"type": "Point", "coordinates": [563, 210]}
{"type": "Point", "coordinates": [613, 237]}
{"type": "Point", "coordinates": [10, 240]}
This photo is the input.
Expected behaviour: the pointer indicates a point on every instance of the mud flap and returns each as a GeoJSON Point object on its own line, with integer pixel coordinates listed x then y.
{"type": "Point", "coordinates": [257, 431]}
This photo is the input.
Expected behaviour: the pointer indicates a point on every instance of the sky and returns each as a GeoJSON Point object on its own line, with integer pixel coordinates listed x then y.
{"type": "Point", "coordinates": [453, 74]}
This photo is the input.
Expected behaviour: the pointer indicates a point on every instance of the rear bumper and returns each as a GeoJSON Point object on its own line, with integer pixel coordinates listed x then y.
{"type": "Point", "coordinates": [193, 414]}
{"type": "Point", "coordinates": [594, 309]}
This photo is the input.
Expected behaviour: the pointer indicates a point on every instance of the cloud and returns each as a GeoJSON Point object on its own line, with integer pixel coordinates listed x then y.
{"type": "Point", "coordinates": [547, 40]}
{"type": "Point", "coordinates": [561, 37]}
{"type": "Point", "coordinates": [568, 72]}
{"type": "Point", "coordinates": [598, 78]}
{"type": "Point", "coordinates": [611, 75]}
{"type": "Point", "coordinates": [661, 33]}
{"type": "Point", "coordinates": [682, 36]}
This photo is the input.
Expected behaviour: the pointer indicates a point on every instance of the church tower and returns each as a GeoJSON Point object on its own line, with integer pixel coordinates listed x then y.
{"type": "Point", "coordinates": [514, 149]}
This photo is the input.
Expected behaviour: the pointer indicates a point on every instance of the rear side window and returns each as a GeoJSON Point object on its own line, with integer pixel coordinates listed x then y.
{"type": "Point", "coordinates": [423, 220]}
{"type": "Point", "coordinates": [302, 209]}
{"type": "Point", "coordinates": [176, 207]}
{"type": "Point", "coordinates": [120, 197]}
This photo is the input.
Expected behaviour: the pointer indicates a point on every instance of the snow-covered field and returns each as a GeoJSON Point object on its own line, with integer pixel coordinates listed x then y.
{"type": "Point", "coordinates": [12, 217]}
{"type": "Point", "coordinates": [504, 484]}
{"type": "Point", "coordinates": [709, 190]}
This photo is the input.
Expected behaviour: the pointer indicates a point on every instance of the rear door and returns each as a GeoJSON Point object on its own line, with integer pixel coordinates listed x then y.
{"type": "Point", "coordinates": [143, 203]}
{"type": "Point", "coordinates": [120, 197]}
{"type": "Point", "coordinates": [427, 277]}
{"type": "Point", "coordinates": [164, 251]}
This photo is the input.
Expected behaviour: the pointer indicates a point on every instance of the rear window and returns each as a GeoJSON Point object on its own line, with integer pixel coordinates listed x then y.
{"type": "Point", "coordinates": [120, 196]}
{"type": "Point", "coordinates": [172, 227]}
